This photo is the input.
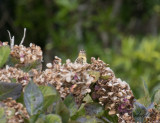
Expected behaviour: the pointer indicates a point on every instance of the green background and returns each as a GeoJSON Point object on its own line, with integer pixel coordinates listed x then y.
{"type": "Point", "coordinates": [123, 33]}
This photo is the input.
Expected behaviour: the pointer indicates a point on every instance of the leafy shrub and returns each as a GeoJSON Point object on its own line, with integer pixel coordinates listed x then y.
{"type": "Point", "coordinates": [73, 92]}
{"type": "Point", "coordinates": [139, 61]}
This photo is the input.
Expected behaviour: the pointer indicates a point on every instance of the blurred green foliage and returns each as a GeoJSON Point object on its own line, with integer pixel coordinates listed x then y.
{"type": "Point", "coordinates": [124, 33]}
{"type": "Point", "coordinates": [139, 61]}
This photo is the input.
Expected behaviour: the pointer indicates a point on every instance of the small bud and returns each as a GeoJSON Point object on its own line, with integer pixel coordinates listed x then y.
{"type": "Point", "coordinates": [110, 93]}
{"type": "Point", "coordinates": [120, 94]}
{"type": "Point", "coordinates": [68, 78]}
{"type": "Point", "coordinates": [49, 65]}
{"type": "Point", "coordinates": [22, 59]}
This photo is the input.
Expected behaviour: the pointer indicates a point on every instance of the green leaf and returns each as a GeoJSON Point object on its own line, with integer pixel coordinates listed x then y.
{"type": "Point", "coordinates": [10, 90]}
{"type": "Point", "coordinates": [34, 65]}
{"type": "Point", "coordinates": [25, 67]}
{"type": "Point", "coordinates": [146, 100]}
{"type": "Point", "coordinates": [53, 118]}
{"type": "Point", "coordinates": [87, 99]}
{"type": "Point", "coordinates": [105, 77]}
{"type": "Point", "coordinates": [2, 115]}
{"type": "Point", "coordinates": [33, 99]}
{"type": "Point", "coordinates": [71, 104]}
{"type": "Point", "coordinates": [95, 75]}
{"type": "Point", "coordinates": [62, 110]}
{"type": "Point", "coordinates": [139, 112]}
{"type": "Point", "coordinates": [49, 95]}
{"type": "Point", "coordinates": [4, 54]}
{"type": "Point", "coordinates": [33, 118]}
{"type": "Point", "coordinates": [21, 99]}
{"type": "Point", "coordinates": [94, 109]}
{"type": "Point", "coordinates": [81, 112]}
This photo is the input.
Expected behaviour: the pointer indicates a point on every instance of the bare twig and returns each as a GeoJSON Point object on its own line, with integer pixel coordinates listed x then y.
{"type": "Point", "coordinates": [11, 40]}
{"type": "Point", "coordinates": [9, 35]}
{"type": "Point", "coordinates": [23, 37]}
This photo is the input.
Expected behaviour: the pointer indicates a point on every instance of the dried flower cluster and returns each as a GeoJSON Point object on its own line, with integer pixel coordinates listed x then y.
{"type": "Point", "coordinates": [111, 92]}
{"type": "Point", "coordinates": [27, 55]}
{"type": "Point", "coordinates": [7, 74]}
{"type": "Point", "coordinates": [74, 78]}
{"type": "Point", "coordinates": [125, 118]}
{"type": "Point", "coordinates": [15, 112]}
{"type": "Point", "coordinates": [78, 78]}
{"type": "Point", "coordinates": [3, 43]}
{"type": "Point", "coordinates": [154, 116]}
{"type": "Point", "coordinates": [68, 78]}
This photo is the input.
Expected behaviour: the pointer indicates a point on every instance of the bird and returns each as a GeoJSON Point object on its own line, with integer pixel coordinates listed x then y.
{"type": "Point", "coordinates": [81, 59]}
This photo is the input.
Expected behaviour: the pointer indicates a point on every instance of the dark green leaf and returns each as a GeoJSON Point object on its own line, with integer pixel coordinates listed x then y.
{"type": "Point", "coordinates": [10, 90]}
{"type": "Point", "coordinates": [25, 67]}
{"type": "Point", "coordinates": [21, 99]}
{"type": "Point", "coordinates": [26, 120]}
{"type": "Point", "coordinates": [33, 99]}
{"type": "Point", "coordinates": [94, 109]}
{"type": "Point", "coordinates": [49, 94]}
{"type": "Point", "coordinates": [53, 118]}
{"type": "Point", "coordinates": [139, 112]}
{"type": "Point", "coordinates": [71, 104]}
{"type": "Point", "coordinates": [34, 65]}
{"type": "Point", "coordinates": [81, 112]}
{"type": "Point", "coordinates": [4, 54]}
{"type": "Point", "coordinates": [62, 110]}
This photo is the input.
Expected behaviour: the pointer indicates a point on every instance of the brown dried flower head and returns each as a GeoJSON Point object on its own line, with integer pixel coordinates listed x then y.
{"type": "Point", "coordinates": [15, 112]}
{"type": "Point", "coordinates": [27, 55]}
{"type": "Point", "coordinates": [68, 78]}
{"type": "Point", "coordinates": [9, 73]}
{"type": "Point", "coordinates": [154, 116]}
{"type": "Point", "coordinates": [110, 91]}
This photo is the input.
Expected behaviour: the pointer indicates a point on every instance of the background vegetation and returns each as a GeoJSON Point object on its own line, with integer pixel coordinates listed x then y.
{"type": "Point", "coordinates": [123, 33]}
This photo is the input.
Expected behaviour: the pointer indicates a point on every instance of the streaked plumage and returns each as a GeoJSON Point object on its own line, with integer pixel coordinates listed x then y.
{"type": "Point", "coordinates": [81, 57]}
